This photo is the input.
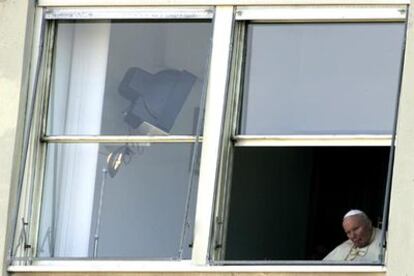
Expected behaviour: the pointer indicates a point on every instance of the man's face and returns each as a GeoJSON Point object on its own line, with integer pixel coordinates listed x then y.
{"type": "Point", "coordinates": [358, 230]}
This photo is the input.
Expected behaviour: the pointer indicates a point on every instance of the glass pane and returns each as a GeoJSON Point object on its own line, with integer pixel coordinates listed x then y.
{"type": "Point", "coordinates": [118, 201]}
{"type": "Point", "coordinates": [321, 78]}
{"type": "Point", "coordinates": [128, 77]}
{"type": "Point", "coordinates": [297, 197]}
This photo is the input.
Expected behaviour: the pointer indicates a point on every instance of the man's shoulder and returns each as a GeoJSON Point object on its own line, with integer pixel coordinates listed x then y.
{"type": "Point", "coordinates": [339, 252]}
{"type": "Point", "coordinates": [377, 240]}
{"type": "Point", "coordinates": [345, 245]}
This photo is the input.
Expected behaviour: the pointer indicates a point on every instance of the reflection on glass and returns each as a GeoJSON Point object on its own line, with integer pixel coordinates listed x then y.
{"type": "Point", "coordinates": [128, 78]}
{"type": "Point", "coordinates": [321, 78]}
{"type": "Point", "coordinates": [117, 201]}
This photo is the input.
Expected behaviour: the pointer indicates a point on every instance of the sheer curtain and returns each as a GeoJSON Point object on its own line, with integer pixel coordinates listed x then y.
{"type": "Point", "coordinates": [77, 99]}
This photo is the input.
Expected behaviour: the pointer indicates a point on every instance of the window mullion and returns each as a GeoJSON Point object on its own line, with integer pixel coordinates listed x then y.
{"type": "Point", "coordinates": [220, 56]}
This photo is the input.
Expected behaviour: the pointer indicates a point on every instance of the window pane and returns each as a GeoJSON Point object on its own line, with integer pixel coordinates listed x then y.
{"type": "Point", "coordinates": [321, 78]}
{"type": "Point", "coordinates": [117, 201]}
{"type": "Point", "coordinates": [297, 197]}
{"type": "Point", "coordinates": [128, 77]}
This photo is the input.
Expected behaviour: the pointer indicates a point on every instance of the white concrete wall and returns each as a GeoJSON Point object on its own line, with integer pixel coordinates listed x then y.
{"type": "Point", "coordinates": [14, 51]}
{"type": "Point", "coordinates": [401, 227]}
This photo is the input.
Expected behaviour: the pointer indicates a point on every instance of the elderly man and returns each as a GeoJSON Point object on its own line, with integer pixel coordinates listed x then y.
{"type": "Point", "coordinates": [364, 241]}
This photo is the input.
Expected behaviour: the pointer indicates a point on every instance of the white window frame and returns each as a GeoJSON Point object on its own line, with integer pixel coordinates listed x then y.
{"type": "Point", "coordinates": [31, 204]}
{"type": "Point", "coordinates": [385, 10]}
{"type": "Point", "coordinates": [319, 14]}
{"type": "Point", "coordinates": [289, 14]}
{"type": "Point", "coordinates": [198, 12]}
{"type": "Point", "coordinates": [80, 3]}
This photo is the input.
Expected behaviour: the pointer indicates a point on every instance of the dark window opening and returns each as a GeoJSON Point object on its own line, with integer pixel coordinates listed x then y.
{"type": "Point", "coordinates": [287, 203]}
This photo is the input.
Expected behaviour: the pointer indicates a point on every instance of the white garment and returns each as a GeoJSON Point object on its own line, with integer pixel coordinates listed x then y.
{"type": "Point", "coordinates": [348, 252]}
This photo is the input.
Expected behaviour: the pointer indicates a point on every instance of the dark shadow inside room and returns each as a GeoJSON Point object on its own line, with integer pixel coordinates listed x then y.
{"type": "Point", "coordinates": [287, 203]}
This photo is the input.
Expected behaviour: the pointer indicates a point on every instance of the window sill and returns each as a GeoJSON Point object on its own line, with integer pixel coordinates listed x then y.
{"type": "Point", "coordinates": [183, 266]}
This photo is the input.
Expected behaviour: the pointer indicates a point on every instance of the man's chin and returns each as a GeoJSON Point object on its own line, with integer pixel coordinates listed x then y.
{"type": "Point", "coordinates": [360, 244]}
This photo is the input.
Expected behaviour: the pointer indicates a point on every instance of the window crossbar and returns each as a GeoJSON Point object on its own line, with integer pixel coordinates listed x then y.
{"type": "Point", "coordinates": [312, 140]}
{"type": "Point", "coordinates": [393, 13]}
{"type": "Point", "coordinates": [129, 13]}
{"type": "Point", "coordinates": [122, 139]}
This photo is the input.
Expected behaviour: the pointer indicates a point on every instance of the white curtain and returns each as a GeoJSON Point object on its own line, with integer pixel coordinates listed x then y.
{"type": "Point", "coordinates": [79, 85]}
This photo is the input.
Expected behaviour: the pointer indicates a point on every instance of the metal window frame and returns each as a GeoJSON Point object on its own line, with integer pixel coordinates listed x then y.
{"type": "Point", "coordinates": [31, 150]}
{"type": "Point", "coordinates": [39, 140]}
{"type": "Point", "coordinates": [315, 14]}
{"type": "Point", "coordinates": [311, 140]}
{"type": "Point", "coordinates": [215, 107]}
{"type": "Point", "coordinates": [52, 14]}
{"type": "Point", "coordinates": [324, 13]}
{"type": "Point", "coordinates": [163, 13]}
{"type": "Point", "coordinates": [212, 2]}
{"type": "Point", "coordinates": [75, 139]}
{"type": "Point", "coordinates": [291, 14]}
{"type": "Point", "coordinates": [219, 233]}
{"type": "Point", "coordinates": [142, 14]}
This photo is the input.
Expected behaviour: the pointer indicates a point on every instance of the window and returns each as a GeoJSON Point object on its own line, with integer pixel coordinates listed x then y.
{"type": "Point", "coordinates": [122, 139]}
{"type": "Point", "coordinates": [158, 135]}
{"type": "Point", "coordinates": [309, 134]}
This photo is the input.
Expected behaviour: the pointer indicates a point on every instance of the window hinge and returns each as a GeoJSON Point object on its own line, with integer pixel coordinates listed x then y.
{"type": "Point", "coordinates": [402, 11]}
{"type": "Point", "coordinates": [23, 241]}
{"type": "Point", "coordinates": [218, 237]}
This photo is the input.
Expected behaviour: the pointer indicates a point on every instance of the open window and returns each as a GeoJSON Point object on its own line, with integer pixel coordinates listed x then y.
{"type": "Point", "coordinates": [309, 133]}
{"type": "Point", "coordinates": [123, 95]}
{"type": "Point", "coordinates": [299, 128]}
